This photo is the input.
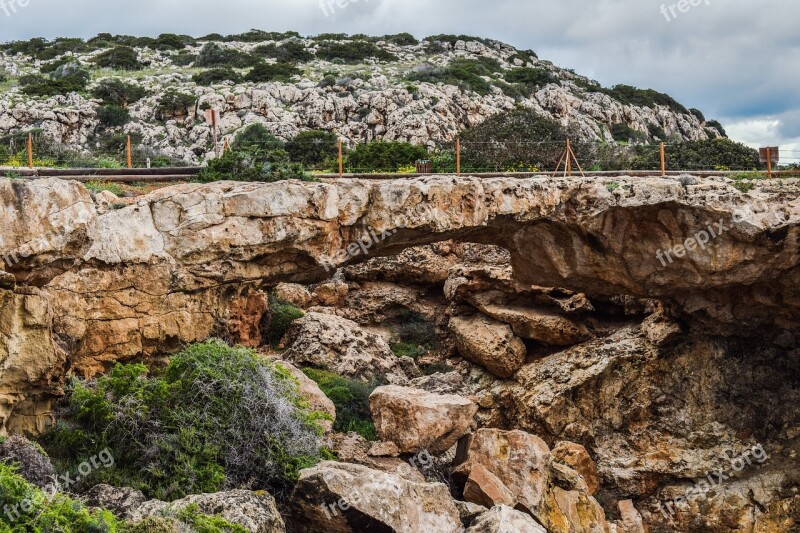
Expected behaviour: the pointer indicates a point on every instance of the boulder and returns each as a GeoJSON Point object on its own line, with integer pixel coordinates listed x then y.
{"type": "Point", "coordinates": [484, 488]}
{"type": "Point", "coordinates": [254, 511]}
{"type": "Point", "coordinates": [293, 293]}
{"type": "Point", "coordinates": [341, 497]}
{"type": "Point", "coordinates": [417, 420]}
{"type": "Point", "coordinates": [341, 346]}
{"type": "Point", "coordinates": [576, 457]}
{"type": "Point", "coordinates": [331, 293]}
{"type": "Point", "coordinates": [488, 343]}
{"type": "Point", "coordinates": [122, 501]}
{"type": "Point", "coordinates": [504, 519]}
{"type": "Point", "coordinates": [660, 329]}
{"type": "Point", "coordinates": [469, 511]}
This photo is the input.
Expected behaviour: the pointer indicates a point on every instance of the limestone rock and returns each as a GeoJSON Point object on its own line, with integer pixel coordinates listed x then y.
{"type": "Point", "coordinates": [345, 497]}
{"type": "Point", "coordinates": [122, 501]}
{"type": "Point", "coordinates": [488, 343]}
{"type": "Point", "coordinates": [341, 346]}
{"type": "Point", "coordinates": [660, 329]}
{"type": "Point", "coordinates": [416, 420]}
{"type": "Point", "coordinates": [245, 319]}
{"type": "Point", "coordinates": [484, 488]}
{"type": "Point", "coordinates": [294, 294]}
{"type": "Point", "coordinates": [310, 391]}
{"type": "Point", "coordinates": [256, 512]}
{"type": "Point", "coordinates": [576, 457]}
{"type": "Point", "coordinates": [504, 519]}
{"type": "Point", "coordinates": [469, 511]}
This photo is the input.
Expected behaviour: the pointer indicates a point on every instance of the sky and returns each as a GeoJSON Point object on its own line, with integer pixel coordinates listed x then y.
{"type": "Point", "coordinates": [736, 60]}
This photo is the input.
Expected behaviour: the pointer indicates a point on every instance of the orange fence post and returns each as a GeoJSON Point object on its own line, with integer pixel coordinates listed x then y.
{"type": "Point", "coordinates": [341, 159]}
{"type": "Point", "coordinates": [663, 161]}
{"type": "Point", "coordinates": [128, 152]}
{"type": "Point", "coordinates": [769, 163]}
{"type": "Point", "coordinates": [30, 150]}
{"type": "Point", "coordinates": [458, 156]}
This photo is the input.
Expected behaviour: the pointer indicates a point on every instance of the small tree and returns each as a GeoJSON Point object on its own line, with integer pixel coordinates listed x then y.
{"type": "Point", "coordinates": [313, 148]}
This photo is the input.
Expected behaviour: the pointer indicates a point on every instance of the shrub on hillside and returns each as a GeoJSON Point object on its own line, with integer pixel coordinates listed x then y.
{"type": "Point", "coordinates": [266, 72]}
{"type": "Point", "coordinates": [623, 133]}
{"type": "Point", "coordinates": [112, 116]}
{"type": "Point", "coordinates": [120, 57]}
{"type": "Point", "coordinates": [246, 166]}
{"type": "Point", "coordinates": [216, 417]}
{"type": "Point", "coordinates": [717, 126]}
{"type": "Point", "coordinates": [699, 155]}
{"type": "Point", "coordinates": [257, 139]}
{"type": "Point", "coordinates": [401, 39]}
{"type": "Point", "coordinates": [60, 82]}
{"type": "Point", "coordinates": [113, 91]}
{"type": "Point", "coordinates": [282, 316]}
{"type": "Point", "coordinates": [170, 41]}
{"type": "Point", "coordinates": [288, 52]}
{"type": "Point", "coordinates": [216, 75]}
{"type": "Point", "coordinates": [313, 148]}
{"type": "Point", "coordinates": [173, 104]}
{"type": "Point", "coordinates": [530, 78]}
{"type": "Point", "coordinates": [352, 52]}
{"type": "Point", "coordinates": [214, 55]}
{"type": "Point", "coordinates": [463, 73]}
{"type": "Point", "coordinates": [384, 156]}
{"type": "Point", "coordinates": [255, 36]}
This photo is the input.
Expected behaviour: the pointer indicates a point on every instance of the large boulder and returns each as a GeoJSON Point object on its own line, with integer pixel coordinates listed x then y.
{"type": "Point", "coordinates": [488, 343]}
{"type": "Point", "coordinates": [122, 501]}
{"type": "Point", "coordinates": [576, 457]}
{"type": "Point", "coordinates": [504, 519]}
{"type": "Point", "coordinates": [311, 393]}
{"type": "Point", "coordinates": [342, 346]}
{"type": "Point", "coordinates": [254, 511]}
{"type": "Point", "coordinates": [417, 420]}
{"type": "Point", "coordinates": [341, 497]}
{"type": "Point", "coordinates": [519, 464]}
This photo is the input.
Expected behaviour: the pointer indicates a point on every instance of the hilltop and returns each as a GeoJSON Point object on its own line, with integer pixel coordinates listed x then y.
{"type": "Point", "coordinates": [87, 95]}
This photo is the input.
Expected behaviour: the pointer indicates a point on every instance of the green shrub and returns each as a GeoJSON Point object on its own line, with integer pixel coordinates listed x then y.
{"type": "Point", "coordinates": [717, 126]}
{"type": "Point", "coordinates": [384, 156]}
{"type": "Point", "coordinates": [401, 39]}
{"type": "Point", "coordinates": [643, 97]}
{"type": "Point", "coordinates": [313, 148]}
{"type": "Point", "coordinates": [696, 155]}
{"type": "Point", "coordinates": [531, 78]}
{"type": "Point", "coordinates": [352, 52]}
{"type": "Point", "coordinates": [114, 91]}
{"type": "Point", "coordinates": [216, 75]}
{"type": "Point", "coordinates": [265, 72]}
{"type": "Point", "coordinates": [463, 73]}
{"type": "Point", "coordinates": [214, 55]}
{"type": "Point", "coordinates": [120, 57]}
{"type": "Point", "coordinates": [41, 86]}
{"type": "Point", "coordinates": [351, 398]}
{"type": "Point", "coordinates": [216, 417]}
{"type": "Point", "coordinates": [282, 316]}
{"type": "Point", "coordinates": [170, 41]}
{"type": "Point", "coordinates": [255, 36]}
{"type": "Point", "coordinates": [99, 186]}
{"type": "Point", "coordinates": [111, 116]}
{"type": "Point", "coordinates": [256, 138]}
{"type": "Point", "coordinates": [452, 39]}
{"type": "Point", "coordinates": [699, 114]}
{"type": "Point", "coordinates": [624, 133]}
{"type": "Point", "coordinates": [656, 132]}
{"type": "Point", "coordinates": [236, 165]}
{"type": "Point", "coordinates": [288, 52]}
{"type": "Point", "coordinates": [173, 104]}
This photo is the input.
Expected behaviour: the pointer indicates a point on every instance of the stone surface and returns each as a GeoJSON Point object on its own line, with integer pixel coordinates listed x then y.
{"type": "Point", "coordinates": [345, 497]}
{"type": "Point", "coordinates": [576, 457]}
{"type": "Point", "coordinates": [488, 343]}
{"type": "Point", "coordinates": [293, 293]}
{"type": "Point", "coordinates": [416, 420]}
{"type": "Point", "coordinates": [310, 391]}
{"type": "Point", "coordinates": [124, 502]}
{"type": "Point", "coordinates": [256, 512]}
{"type": "Point", "coordinates": [342, 346]}
{"type": "Point", "coordinates": [504, 519]}
{"type": "Point", "coordinates": [486, 489]}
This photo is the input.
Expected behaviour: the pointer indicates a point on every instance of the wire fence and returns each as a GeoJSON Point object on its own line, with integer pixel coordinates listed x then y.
{"type": "Point", "coordinates": [120, 152]}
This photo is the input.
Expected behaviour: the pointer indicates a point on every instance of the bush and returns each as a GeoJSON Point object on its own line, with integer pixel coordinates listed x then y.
{"type": "Point", "coordinates": [112, 116]}
{"type": "Point", "coordinates": [214, 55]}
{"type": "Point", "coordinates": [401, 39]}
{"type": "Point", "coordinates": [170, 41]}
{"type": "Point", "coordinates": [246, 166]}
{"type": "Point", "coordinates": [351, 398]}
{"type": "Point", "coordinates": [312, 148]}
{"type": "Point", "coordinates": [629, 95]}
{"type": "Point", "coordinates": [257, 139]}
{"type": "Point", "coordinates": [64, 84]}
{"type": "Point", "coordinates": [216, 75]}
{"type": "Point", "coordinates": [352, 52]}
{"type": "Point", "coordinates": [531, 78]}
{"type": "Point", "coordinates": [699, 114]}
{"type": "Point", "coordinates": [624, 133]}
{"type": "Point", "coordinates": [265, 72]}
{"type": "Point", "coordinates": [717, 126]}
{"type": "Point", "coordinates": [517, 139]}
{"type": "Point", "coordinates": [288, 52]}
{"type": "Point", "coordinates": [254, 36]}
{"type": "Point", "coordinates": [173, 104]}
{"type": "Point", "coordinates": [463, 73]}
{"type": "Point", "coordinates": [120, 57]}
{"type": "Point", "coordinates": [114, 91]}
{"type": "Point", "coordinates": [699, 155]}
{"type": "Point", "coordinates": [384, 156]}
{"type": "Point", "coordinates": [282, 316]}
{"type": "Point", "coordinates": [216, 417]}
{"type": "Point", "coordinates": [32, 462]}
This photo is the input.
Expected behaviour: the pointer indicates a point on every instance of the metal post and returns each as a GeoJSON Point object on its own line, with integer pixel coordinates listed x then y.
{"type": "Point", "coordinates": [30, 150]}
{"type": "Point", "coordinates": [663, 161]}
{"type": "Point", "coordinates": [128, 152]}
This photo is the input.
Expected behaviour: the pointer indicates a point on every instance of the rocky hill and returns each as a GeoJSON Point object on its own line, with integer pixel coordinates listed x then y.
{"type": "Point", "coordinates": [362, 88]}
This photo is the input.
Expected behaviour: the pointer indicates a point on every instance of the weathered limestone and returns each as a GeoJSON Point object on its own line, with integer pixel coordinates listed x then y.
{"type": "Point", "coordinates": [488, 343]}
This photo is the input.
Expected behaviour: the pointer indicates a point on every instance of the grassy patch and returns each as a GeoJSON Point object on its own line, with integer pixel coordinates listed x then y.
{"type": "Point", "coordinates": [99, 186]}
{"type": "Point", "coordinates": [351, 398]}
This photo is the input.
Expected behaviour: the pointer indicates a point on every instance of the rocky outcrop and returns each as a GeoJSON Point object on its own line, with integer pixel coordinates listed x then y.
{"type": "Point", "coordinates": [342, 346]}
{"type": "Point", "coordinates": [416, 420]}
{"type": "Point", "coordinates": [576, 457]}
{"type": "Point", "coordinates": [344, 497]}
{"type": "Point", "coordinates": [312, 394]}
{"type": "Point", "coordinates": [488, 343]}
{"type": "Point", "coordinates": [147, 278]}
{"type": "Point", "coordinates": [504, 519]}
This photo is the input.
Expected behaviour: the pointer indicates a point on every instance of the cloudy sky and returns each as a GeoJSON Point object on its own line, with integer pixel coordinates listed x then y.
{"type": "Point", "coordinates": [736, 60]}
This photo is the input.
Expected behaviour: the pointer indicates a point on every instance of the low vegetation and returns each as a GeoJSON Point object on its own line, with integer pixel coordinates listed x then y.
{"type": "Point", "coordinates": [216, 417]}
{"type": "Point", "coordinates": [351, 398]}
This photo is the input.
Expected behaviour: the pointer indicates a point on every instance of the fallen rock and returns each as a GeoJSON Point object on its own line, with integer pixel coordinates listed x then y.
{"type": "Point", "coordinates": [631, 521]}
{"type": "Point", "coordinates": [254, 511]}
{"type": "Point", "coordinates": [293, 293]}
{"type": "Point", "coordinates": [469, 511]}
{"type": "Point", "coordinates": [383, 449]}
{"type": "Point", "coordinates": [504, 519]}
{"type": "Point", "coordinates": [484, 488]}
{"type": "Point", "coordinates": [122, 501]}
{"type": "Point", "coordinates": [341, 346]}
{"type": "Point", "coordinates": [417, 420]}
{"type": "Point", "coordinates": [576, 457]}
{"type": "Point", "coordinates": [488, 343]}
{"type": "Point", "coordinates": [341, 497]}
{"type": "Point", "coordinates": [331, 294]}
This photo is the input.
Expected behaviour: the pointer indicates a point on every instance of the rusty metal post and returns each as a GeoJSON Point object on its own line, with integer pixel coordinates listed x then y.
{"type": "Point", "coordinates": [128, 152]}
{"type": "Point", "coordinates": [30, 150]}
{"type": "Point", "coordinates": [663, 161]}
